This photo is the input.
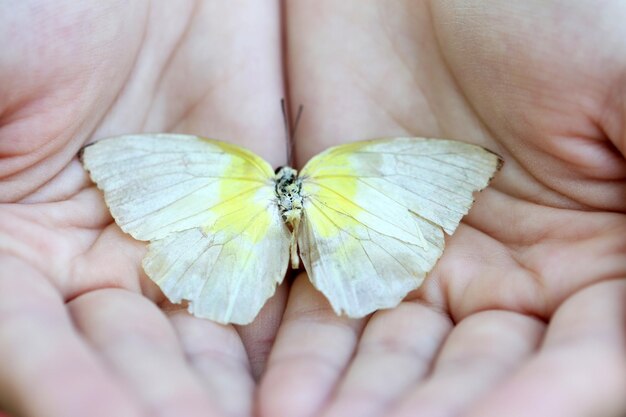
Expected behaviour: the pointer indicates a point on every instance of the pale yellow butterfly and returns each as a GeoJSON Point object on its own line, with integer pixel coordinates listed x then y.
{"type": "Point", "coordinates": [367, 218]}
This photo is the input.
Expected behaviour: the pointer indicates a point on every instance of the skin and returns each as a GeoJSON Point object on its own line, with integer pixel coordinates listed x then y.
{"type": "Point", "coordinates": [524, 315]}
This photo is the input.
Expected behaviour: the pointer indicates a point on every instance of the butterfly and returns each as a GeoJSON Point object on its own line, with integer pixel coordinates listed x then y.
{"type": "Point", "coordinates": [366, 218]}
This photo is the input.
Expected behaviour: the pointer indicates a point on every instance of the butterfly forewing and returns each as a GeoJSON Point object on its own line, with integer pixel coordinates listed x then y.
{"type": "Point", "coordinates": [374, 214]}
{"type": "Point", "coordinates": [208, 209]}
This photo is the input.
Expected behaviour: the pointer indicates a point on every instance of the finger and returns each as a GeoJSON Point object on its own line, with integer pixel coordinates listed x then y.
{"type": "Point", "coordinates": [312, 349]}
{"type": "Point", "coordinates": [47, 370]}
{"type": "Point", "coordinates": [217, 354]}
{"type": "Point", "coordinates": [581, 368]}
{"type": "Point", "coordinates": [481, 350]}
{"type": "Point", "coordinates": [396, 351]}
{"type": "Point", "coordinates": [258, 337]}
{"type": "Point", "coordinates": [139, 344]}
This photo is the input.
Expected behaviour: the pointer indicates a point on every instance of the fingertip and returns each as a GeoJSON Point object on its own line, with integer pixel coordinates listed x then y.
{"type": "Point", "coordinates": [312, 349]}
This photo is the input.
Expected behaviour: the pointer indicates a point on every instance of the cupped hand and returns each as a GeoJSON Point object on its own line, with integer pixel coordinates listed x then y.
{"type": "Point", "coordinates": [80, 333]}
{"type": "Point", "coordinates": [525, 314]}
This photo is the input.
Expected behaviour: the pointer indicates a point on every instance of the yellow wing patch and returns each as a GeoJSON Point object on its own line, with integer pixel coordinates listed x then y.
{"type": "Point", "coordinates": [334, 169]}
{"type": "Point", "coordinates": [242, 210]}
{"type": "Point", "coordinates": [333, 181]}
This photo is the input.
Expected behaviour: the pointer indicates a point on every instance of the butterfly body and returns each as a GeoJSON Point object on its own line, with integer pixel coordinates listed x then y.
{"type": "Point", "coordinates": [289, 198]}
{"type": "Point", "coordinates": [367, 219]}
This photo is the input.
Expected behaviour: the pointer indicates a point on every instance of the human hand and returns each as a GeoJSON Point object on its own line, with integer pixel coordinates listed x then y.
{"type": "Point", "coordinates": [561, 235]}
{"type": "Point", "coordinates": [525, 313]}
{"type": "Point", "coordinates": [79, 332]}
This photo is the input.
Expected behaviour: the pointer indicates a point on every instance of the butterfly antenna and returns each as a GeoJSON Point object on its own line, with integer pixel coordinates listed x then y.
{"type": "Point", "coordinates": [295, 124]}
{"type": "Point", "coordinates": [287, 130]}
{"type": "Point", "coordinates": [290, 133]}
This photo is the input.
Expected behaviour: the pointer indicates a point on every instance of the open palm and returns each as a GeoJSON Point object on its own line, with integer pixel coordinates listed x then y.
{"type": "Point", "coordinates": [524, 313]}
{"type": "Point", "coordinates": [78, 333]}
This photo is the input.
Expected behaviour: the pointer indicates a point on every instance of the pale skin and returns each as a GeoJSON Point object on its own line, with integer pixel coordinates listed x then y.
{"type": "Point", "coordinates": [524, 315]}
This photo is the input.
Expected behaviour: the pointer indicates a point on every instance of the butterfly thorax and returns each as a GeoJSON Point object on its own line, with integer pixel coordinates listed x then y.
{"type": "Point", "coordinates": [288, 194]}
{"type": "Point", "coordinates": [288, 188]}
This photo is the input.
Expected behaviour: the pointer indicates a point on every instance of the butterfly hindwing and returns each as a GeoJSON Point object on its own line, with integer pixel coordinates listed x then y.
{"type": "Point", "coordinates": [375, 213]}
{"type": "Point", "coordinates": [227, 276]}
{"type": "Point", "coordinates": [208, 210]}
